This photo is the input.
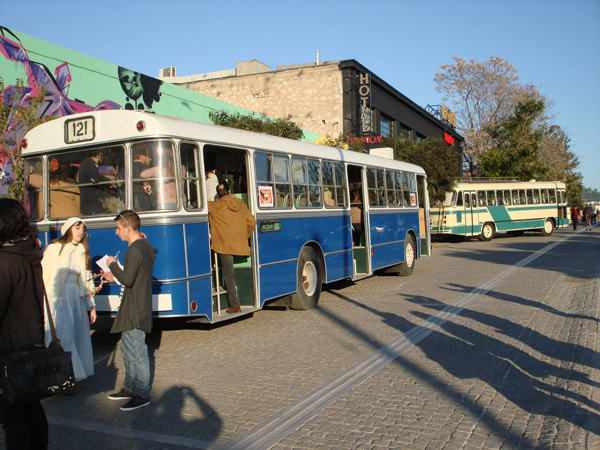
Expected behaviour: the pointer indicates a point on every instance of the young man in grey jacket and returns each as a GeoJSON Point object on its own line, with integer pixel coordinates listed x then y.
{"type": "Point", "coordinates": [134, 318]}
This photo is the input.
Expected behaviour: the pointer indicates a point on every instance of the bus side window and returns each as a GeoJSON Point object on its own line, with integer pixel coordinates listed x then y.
{"type": "Point", "coordinates": [33, 188]}
{"type": "Point", "coordinates": [314, 183]}
{"type": "Point", "coordinates": [328, 185]}
{"type": "Point", "coordinates": [299, 179]}
{"type": "Point", "coordinates": [459, 199]}
{"type": "Point", "coordinates": [190, 160]}
{"type": "Point", "coordinates": [391, 192]}
{"type": "Point", "coordinates": [467, 201]}
{"type": "Point", "coordinates": [481, 197]}
{"type": "Point", "coordinates": [282, 181]}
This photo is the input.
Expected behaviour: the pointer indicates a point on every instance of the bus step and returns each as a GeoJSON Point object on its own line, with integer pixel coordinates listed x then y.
{"type": "Point", "coordinates": [226, 316]}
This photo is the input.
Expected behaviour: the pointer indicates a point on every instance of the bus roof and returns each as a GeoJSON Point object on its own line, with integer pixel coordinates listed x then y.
{"type": "Point", "coordinates": [504, 184]}
{"type": "Point", "coordinates": [113, 126]}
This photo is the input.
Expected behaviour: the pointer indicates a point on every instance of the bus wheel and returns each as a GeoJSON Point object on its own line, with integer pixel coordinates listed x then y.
{"type": "Point", "coordinates": [309, 280]}
{"type": "Point", "coordinates": [410, 256]}
{"type": "Point", "coordinates": [548, 228]}
{"type": "Point", "coordinates": [487, 232]}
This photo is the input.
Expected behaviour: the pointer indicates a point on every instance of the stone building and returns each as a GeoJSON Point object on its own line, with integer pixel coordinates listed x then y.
{"type": "Point", "coordinates": [328, 98]}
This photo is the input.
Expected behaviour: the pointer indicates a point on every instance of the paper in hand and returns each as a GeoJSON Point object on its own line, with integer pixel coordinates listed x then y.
{"type": "Point", "coordinates": [102, 263]}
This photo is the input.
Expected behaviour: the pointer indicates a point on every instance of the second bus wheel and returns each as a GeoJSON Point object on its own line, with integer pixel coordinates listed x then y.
{"type": "Point", "coordinates": [548, 228]}
{"type": "Point", "coordinates": [487, 232]}
{"type": "Point", "coordinates": [410, 256]}
{"type": "Point", "coordinates": [309, 280]}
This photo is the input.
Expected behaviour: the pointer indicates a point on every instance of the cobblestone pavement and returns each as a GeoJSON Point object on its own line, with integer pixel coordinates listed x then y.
{"type": "Point", "coordinates": [486, 346]}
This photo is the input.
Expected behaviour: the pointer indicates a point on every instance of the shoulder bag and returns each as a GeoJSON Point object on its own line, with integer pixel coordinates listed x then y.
{"type": "Point", "coordinates": [36, 372]}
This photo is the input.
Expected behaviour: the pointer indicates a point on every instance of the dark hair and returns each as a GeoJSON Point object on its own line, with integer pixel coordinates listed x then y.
{"type": "Point", "coordinates": [130, 218]}
{"type": "Point", "coordinates": [14, 223]}
{"type": "Point", "coordinates": [223, 189]}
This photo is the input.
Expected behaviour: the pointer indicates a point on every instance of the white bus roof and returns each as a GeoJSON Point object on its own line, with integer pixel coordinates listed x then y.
{"type": "Point", "coordinates": [113, 126]}
{"type": "Point", "coordinates": [502, 185]}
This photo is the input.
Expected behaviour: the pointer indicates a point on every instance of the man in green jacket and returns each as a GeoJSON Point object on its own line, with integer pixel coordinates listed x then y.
{"type": "Point", "coordinates": [134, 318]}
{"type": "Point", "coordinates": [231, 225]}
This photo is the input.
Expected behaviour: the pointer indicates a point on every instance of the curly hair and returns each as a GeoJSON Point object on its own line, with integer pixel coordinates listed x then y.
{"type": "Point", "coordinates": [14, 223]}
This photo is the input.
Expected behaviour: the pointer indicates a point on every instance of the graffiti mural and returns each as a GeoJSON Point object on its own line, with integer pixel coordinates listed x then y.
{"type": "Point", "coordinates": [81, 83]}
{"type": "Point", "coordinates": [139, 86]}
{"type": "Point", "coordinates": [38, 79]}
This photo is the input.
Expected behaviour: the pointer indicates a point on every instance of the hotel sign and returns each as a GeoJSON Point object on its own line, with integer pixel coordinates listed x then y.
{"type": "Point", "coordinates": [364, 95]}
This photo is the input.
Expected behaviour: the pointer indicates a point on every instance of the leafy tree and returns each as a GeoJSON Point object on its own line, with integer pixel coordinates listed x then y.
{"type": "Point", "coordinates": [482, 94]}
{"type": "Point", "coordinates": [282, 127]}
{"type": "Point", "coordinates": [517, 145]}
{"type": "Point", "coordinates": [439, 160]}
{"type": "Point", "coordinates": [18, 114]}
{"type": "Point", "coordinates": [561, 163]}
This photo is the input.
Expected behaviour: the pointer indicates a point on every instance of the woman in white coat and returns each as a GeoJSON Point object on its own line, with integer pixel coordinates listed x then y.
{"type": "Point", "coordinates": [67, 277]}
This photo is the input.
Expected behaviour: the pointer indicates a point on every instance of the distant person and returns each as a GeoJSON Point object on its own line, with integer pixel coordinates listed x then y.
{"type": "Point", "coordinates": [21, 317]}
{"type": "Point", "coordinates": [88, 176]}
{"type": "Point", "coordinates": [67, 275]}
{"type": "Point", "coordinates": [588, 217]}
{"type": "Point", "coordinates": [574, 217]}
{"type": "Point", "coordinates": [134, 318]}
{"type": "Point", "coordinates": [231, 225]}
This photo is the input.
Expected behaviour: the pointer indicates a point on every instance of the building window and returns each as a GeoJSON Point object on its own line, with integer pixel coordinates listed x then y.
{"type": "Point", "coordinates": [404, 131]}
{"type": "Point", "coordinates": [386, 126]}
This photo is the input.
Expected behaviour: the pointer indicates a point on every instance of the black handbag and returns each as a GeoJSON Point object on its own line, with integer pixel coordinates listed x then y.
{"type": "Point", "coordinates": [36, 372]}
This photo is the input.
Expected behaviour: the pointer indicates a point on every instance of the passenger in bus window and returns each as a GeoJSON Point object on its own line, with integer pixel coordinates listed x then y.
{"type": "Point", "coordinates": [356, 214]}
{"type": "Point", "coordinates": [91, 196]}
{"type": "Point", "coordinates": [328, 199]}
{"type": "Point", "coordinates": [167, 187]}
{"type": "Point", "coordinates": [211, 178]}
{"type": "Point", "coordinates": [144, 196]}
{"type": "Point", "coordinates": [231, 226]}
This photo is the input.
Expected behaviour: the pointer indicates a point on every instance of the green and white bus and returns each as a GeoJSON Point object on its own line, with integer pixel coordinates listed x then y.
{"type": "Point", "coordinates": [481, 208]}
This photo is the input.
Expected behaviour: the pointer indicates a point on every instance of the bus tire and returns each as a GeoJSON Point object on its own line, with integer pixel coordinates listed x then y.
{"type": "Point", "coordinates": [309, 280]}
{"type": "Point", "coordinates": [410, 256]}
{"type": "Point", "coordinates": [548, 228]}
{"type": "Point", "coordinates": [487, 232]}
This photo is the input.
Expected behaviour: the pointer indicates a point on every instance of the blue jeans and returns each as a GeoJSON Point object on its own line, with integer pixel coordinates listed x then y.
{"type": "Point", "coordinates": [137, 364]}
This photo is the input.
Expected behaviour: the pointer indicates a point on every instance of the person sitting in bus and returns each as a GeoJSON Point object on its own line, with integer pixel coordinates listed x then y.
{"type": "Point", "coordinates": [166, 185]}
{"type": "Point", "coordinates": [327, 197]}
{"type": "Point", "coordinates": [144, 197]}
{"type": "Point", "coordinates": [356, 215]}
{"type": "Point", "coordinates": [88, 175]}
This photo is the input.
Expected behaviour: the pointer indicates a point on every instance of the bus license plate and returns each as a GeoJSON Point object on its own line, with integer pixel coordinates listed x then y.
{"type": "Point", "coordinates": [79, 130]}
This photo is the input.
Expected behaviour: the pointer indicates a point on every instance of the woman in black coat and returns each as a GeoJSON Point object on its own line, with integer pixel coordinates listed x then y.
{"type": "Point", "coordinates": [21, 317]}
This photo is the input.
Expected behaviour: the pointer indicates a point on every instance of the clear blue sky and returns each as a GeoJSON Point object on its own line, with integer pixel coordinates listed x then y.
{"type": "Point", "coordinates": [554, 44]}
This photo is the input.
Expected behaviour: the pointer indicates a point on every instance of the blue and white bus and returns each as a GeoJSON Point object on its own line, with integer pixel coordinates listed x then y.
{"type": "Point", "coordinates": [298, 193]}
{"type": "Point", "coordinates": [482, 207]}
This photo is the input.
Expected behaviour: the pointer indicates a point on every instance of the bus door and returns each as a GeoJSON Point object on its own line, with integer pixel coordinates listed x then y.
{"type": "Point", "coordinates": [232, 166]}
{"type": "Point", "coordinates": [359, 229]}
{"type": "Point", "coordinates": [471, 213]}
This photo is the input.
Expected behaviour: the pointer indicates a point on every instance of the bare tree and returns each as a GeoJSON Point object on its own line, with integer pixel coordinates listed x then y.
{"type": "Point", "coordinates": [482, 94]}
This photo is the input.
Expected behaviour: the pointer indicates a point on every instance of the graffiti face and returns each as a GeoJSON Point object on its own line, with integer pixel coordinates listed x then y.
{"type": "Point", "coordinates": [137, 85]}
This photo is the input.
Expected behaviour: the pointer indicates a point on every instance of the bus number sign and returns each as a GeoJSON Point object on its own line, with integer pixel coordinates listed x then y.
{"type": "Point", "coordinates": [79, 130]}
